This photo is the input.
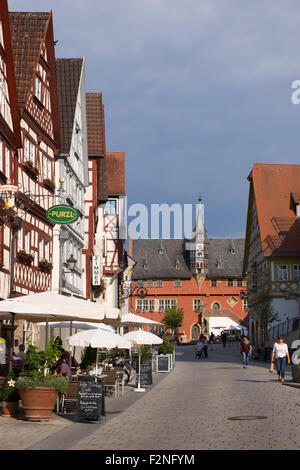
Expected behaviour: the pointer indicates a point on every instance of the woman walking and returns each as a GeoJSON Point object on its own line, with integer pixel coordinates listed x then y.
{"type": "Point", "coordinates": [246, 349]}
{"type": "Point", "coordinates": [281, 354]}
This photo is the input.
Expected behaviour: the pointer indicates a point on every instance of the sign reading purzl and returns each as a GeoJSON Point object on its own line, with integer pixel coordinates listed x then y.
{"type": "Point", "coordinates": [62, 214]}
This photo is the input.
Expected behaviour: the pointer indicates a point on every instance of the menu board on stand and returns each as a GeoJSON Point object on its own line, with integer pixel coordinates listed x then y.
{"type": "Point", "coordinates": [90, 400]}
{"type": "Point", "coordinates": [163, 363]}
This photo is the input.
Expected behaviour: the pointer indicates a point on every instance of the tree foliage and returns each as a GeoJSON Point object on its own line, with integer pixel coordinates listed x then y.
{"type": "Point", "coordinates": [173, 318]}
{"type": "Point", "coordinates": [38, 362]}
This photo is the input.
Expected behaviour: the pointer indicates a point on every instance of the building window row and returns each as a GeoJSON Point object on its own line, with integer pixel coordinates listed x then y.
{"type": "Point", "coordinates": [150, 305]}
{"type": "Point", "coordinates": [150, 283]}
{"type": "Point", "coordinates": [283, 272]}
{"type": "Point", "coordinates": [230, 282]}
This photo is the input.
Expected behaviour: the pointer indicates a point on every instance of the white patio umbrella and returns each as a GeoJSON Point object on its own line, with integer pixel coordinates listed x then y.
{"type": "Point", "coordinates": [81, 309]}
{"type": "Point", "coordinates": [130, 319]}
{"type": "Point", "coordinates": [140, 338]}
{"type": "Point", "coordinates": [13, 309]}
{"type": "Point", "coordinates": [79, 325]}
{"type": "Point", "coordinates": [99, 339]}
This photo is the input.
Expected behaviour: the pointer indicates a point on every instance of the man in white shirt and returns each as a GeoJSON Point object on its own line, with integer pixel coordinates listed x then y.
{"type": "Point", "coordinates": [281, 354]}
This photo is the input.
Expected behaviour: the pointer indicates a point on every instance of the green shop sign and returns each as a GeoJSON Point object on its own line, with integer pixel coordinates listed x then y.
{"type": "Point", "coordinates": [62, 214]}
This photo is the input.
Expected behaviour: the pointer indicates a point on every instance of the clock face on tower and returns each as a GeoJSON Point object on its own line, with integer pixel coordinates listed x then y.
{"type": "Point", "coordinates": [199, 254]}
{"type": "Point", "coordinates": [199, 247]}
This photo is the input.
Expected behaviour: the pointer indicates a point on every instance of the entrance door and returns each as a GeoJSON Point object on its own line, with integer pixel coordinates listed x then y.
{"type": "Point", "coordinates": [195, 332]}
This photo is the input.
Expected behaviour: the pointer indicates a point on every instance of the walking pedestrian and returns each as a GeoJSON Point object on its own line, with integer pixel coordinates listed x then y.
{"type": "Point", "coordinates": [223, 338]}
{"type": "Point", "coordinates": [281, 355]}
{"type": "Point", "coordinates": [245, 350]}
{"type": "Point", "coordinates": [205, 347]}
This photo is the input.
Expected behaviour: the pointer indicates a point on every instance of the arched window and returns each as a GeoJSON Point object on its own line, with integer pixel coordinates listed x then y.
{"type": "Point", "coordinates": [216, 306]}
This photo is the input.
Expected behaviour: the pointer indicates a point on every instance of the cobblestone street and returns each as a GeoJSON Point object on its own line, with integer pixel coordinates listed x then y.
{"type": "Point", "coordinates": [188, 409]}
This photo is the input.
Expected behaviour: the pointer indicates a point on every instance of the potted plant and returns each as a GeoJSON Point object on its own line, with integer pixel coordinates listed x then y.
{"type": "Point", "coordinates": [10, 396]}
{"type": "Point", "coordinates": [25, 258]}
{"type": "Point", "coordinates": [38, 387]}
{"type": "Point", "coordinates": [45, 266]}
{"type": "Point", "coordinates": [30, 168]}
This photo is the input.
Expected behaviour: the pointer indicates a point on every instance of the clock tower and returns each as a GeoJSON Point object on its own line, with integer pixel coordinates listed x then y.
{"type": "Point", "coordinates": [197, 245]}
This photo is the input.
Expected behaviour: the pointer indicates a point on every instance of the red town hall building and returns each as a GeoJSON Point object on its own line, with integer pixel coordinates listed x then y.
{"type": "Point", "coordinates": [206, 281]}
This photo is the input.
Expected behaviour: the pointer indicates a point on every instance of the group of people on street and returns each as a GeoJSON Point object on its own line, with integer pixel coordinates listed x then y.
{"type": "Point", "coordinates": [202, 348]}
{"type": "Point", "coordinates": [60, 367]}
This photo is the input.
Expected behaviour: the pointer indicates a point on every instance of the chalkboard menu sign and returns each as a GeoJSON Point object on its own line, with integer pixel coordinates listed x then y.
{"type": "Point", "coordinates": [90, 400]}
{"type": "Point", "coordinates": [146, 373]}
{"type": "Point", "coordinates": [163, 363]}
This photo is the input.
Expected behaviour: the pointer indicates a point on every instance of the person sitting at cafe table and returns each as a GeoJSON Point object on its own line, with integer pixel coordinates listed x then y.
{"type": "Point", "coordinates": [62, 365]}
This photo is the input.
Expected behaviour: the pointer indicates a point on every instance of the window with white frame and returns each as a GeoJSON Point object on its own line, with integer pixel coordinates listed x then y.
{"type": "Point", "coordinates": [177, 283]}
{"type": "Point", "coordinates": [139, 305]}
{"type": "Point", "coordinates": [245, 304]}
{"type": "Point", "coordinates": [151, 305]}
{"type": "Point", "coordinates": [149, 283]}
{"type": "Point", "coordinates": [1, 156]}
{"type": "Point", "coordinates": [27, 241]}
{"type": "Point", "coordinates": [159, 283]}
{"type": "Point", "coordinates": [214, 283]}
{"type": "Point", "coordinates": [47, 173]}
{"type": "Point", "coordinates": [7, 163]}
{"type": "Point", "coordinates": [38, 88]}
{"type": "Point", "coordinates": [29, 150]}
{"type": "Point", "coordinates": [110, 207]}
{"type": "Point", "coordinates": [47, 250]}
{"type": "Point", "coordinates": [296, 272]}
{"type": "Point", "coordinates": [198, 304]}
{"type": "Point", "coordinates": [230, 282]}
{"type": "Point", "coordinates": [282, 272]}
{"type": "Point", "coordinates": [41, 249]}
{"type": "Point", "coordinates": [166, 304]}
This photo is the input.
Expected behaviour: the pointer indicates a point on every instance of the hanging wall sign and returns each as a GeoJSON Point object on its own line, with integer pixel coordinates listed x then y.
{"type": "Point", "coordinates": [62, 214]}
{"type": "Point", "coordinates": [96, 281]}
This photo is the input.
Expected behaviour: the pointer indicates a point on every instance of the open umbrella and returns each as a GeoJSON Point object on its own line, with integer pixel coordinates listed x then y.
{"type": "Point", "coordinates": [130, 319]}
{"type": "Point", "coordinates": [13, 309]}
{"type": "Point", "coordinates": [139, 338]}
{"type": "Point", "coordinates": [99, 339]}
{"type": "Point", "coordinates": [79, 325]}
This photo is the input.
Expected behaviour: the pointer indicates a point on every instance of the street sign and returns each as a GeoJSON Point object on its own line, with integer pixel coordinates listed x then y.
{"type": "Point", "coordinates": [62, 214]}
{"type": "Point", "coordinates": [96, 281]}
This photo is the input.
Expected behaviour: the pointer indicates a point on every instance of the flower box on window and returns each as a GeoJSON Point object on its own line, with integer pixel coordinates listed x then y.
{"type": "Point", "coordinates": [49, 184]}
{"type": "Point", "coordinates": [25, 258]}
{"type": "Point", "coordinates": [31, 169]}
{"type": "Point", "coordinates": [45, 266]}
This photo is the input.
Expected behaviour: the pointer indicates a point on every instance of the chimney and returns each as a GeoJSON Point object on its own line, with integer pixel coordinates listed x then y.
{"type": "Point", "coordinates": [130, 244]}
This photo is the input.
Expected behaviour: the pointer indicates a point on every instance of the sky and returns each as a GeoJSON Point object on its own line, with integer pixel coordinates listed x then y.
{"type": "Point", "coordinates": [195, 92]}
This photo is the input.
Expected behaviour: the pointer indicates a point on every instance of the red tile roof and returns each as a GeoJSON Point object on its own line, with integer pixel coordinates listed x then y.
{"type": "Point", "coordinates": [95, 124]}
{"type": "Point", "coordinates": [115, 171]}
{"type": "Point", "coordinates": [28, 31]}
{"type": "Point", "coordinates": [68, 73]}
{"type": "Point", "coordinates": [276, 186]}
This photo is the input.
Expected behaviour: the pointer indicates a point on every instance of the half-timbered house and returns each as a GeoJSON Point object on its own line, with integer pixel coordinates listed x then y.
{"type": "Point", "coordinates": [96, 194]}
{"type": "Point", "coordinates": [272, 250]}
{"type": "Point", "coordinates": [10, 140]}
{"type": "Point", "coordinates": [34, 63]}
{"type": "Point", "coordinates": [71, 174]}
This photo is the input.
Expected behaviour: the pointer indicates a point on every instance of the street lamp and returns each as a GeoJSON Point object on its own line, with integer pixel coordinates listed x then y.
{"type": "Point", "coordinates": [71, 262]}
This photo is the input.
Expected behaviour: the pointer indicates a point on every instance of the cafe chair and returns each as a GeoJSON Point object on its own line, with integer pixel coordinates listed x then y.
{"type": "Point", "coordinates": [111, 382]}
{"type": "Point", "coordinates": [70, 396]}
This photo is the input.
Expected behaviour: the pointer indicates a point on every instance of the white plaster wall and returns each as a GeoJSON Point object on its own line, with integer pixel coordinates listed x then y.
{"type": "Point", "coordinates": [285, 308]}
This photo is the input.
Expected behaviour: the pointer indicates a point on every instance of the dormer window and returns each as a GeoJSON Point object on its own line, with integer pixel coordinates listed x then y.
{"type": "Point", "coordinates": [77, 128]}
{"type": "Point", "coordinates": [218, 264]}
{"type": "Point", "coordinates": [178, 265]}
{"type": "Point", "coordinates": [232, 251]}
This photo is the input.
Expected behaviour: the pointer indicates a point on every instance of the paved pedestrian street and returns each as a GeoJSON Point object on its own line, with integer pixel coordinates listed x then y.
{"type": "Point", "coordinates": [189, 409]}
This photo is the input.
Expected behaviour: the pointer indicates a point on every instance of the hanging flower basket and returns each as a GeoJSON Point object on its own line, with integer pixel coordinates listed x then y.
{"type": "Point", "coordinates": [49, 184]}
{"type": "Point", "coordinates": [31, 169]}
{"type": "Point", "coordinates": [45, 266]}
{"type": "Point", "coordinates": [25, 258]}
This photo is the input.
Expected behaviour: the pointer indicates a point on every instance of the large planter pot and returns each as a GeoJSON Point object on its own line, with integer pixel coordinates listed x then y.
{"type": "Point", "coordinates": [10, 409]}
{"type": "Point", "coordinates": [38, 402]}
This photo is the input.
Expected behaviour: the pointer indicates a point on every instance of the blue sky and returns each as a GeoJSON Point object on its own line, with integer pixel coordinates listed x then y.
{"type": "Point", "coordinates": [195, 92]}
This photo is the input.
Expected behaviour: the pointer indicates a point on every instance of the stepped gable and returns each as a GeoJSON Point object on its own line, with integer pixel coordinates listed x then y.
{"type": "Point", "coordinates": [230, 264]}
{"type": "Point", "coordinates": [28, 30]}
{"type": "Point", "coordinates": [159, 266]}
{"type": "Point", "coordinates": [68, 74]}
